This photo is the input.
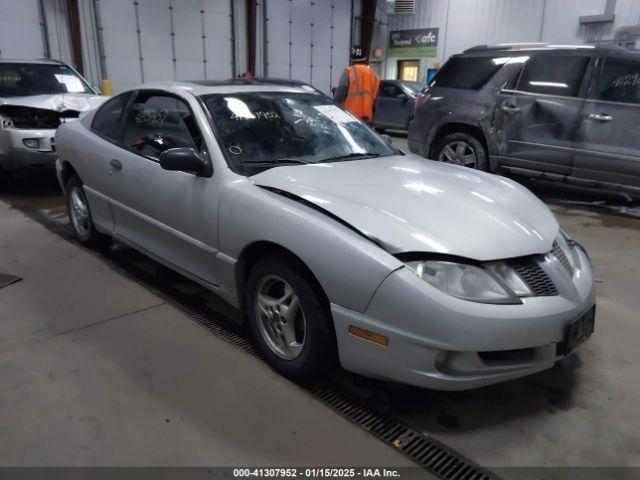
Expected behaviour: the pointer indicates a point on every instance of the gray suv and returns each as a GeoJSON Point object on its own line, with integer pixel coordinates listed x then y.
{"type": "Point", "coordinates": [567, 113]}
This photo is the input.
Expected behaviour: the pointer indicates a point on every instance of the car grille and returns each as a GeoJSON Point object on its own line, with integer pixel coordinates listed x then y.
{"type": "Point", "coordinates": [558, 252]}
{"type": "Point", "coordinates": [537, 280]}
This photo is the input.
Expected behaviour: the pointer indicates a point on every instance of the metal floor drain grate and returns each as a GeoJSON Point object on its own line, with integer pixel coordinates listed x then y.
{"type": "Point", "coordinates": [430, 454]}
{"type": "Point", "coordinates": [425, 451]}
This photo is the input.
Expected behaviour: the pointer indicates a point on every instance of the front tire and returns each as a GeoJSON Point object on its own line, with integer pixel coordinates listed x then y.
{"type": "Point", "coordinates": [80, 215]}
{"type": "Point", "coordinates": [289, 318]}
{"type": "Point", "coordinates": [461, 149]}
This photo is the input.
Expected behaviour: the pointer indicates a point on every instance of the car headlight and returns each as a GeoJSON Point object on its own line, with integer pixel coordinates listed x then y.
{"type": "Point", "coordinates": [32, 143]}
{"type": "Point", "coordinates": [494, 282]}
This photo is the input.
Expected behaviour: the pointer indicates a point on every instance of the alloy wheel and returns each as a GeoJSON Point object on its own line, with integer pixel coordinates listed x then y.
{"type": "Point", "coordinates": [459, 152]}
{"type": "Point", "coordinates": [79, 212]}
{"type": "Point", "coordinates": [281, 320]}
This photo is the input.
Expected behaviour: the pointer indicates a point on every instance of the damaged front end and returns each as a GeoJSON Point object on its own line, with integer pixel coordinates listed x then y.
{"type": "Point", "coordinates": [27, 136]}
{"type": "Point", "coordinates": [22, 117]}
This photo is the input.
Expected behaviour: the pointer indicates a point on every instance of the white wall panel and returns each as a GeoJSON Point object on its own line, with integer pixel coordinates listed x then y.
{"type": "Point", "coordinates": [201, 31]}
{"type": "Point", "coordinates": [300, 38]}
{"type": "Point", "coordinates": [155, 40]}
{"type": "Point", "coordinates": [187, 26]}
{"type": "Point", "coordinates": [117, 26]}
{"type": "Point", "coordinates": [278, 30]}
{"type": "Point", "coordinates": [20, 30]}
{"type": "Point", "coordinates": [341, 39]}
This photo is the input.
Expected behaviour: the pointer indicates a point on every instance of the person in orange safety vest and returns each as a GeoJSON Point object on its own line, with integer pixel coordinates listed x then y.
{"type": "Point", "coordinates": [357, 90]}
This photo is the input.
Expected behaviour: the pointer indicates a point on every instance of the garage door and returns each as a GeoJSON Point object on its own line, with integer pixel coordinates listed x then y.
{"type": "Point", "coordinates": [151, 40]}
{"type": "Point", "coordinates": [308, 40]}
{"type": "Point", "coordinates": [20, 30]}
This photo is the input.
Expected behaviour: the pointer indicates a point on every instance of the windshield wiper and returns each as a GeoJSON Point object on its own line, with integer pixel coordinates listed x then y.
{"type": "Point", "coordinates": [277, 162]}
{"type": "Point", "coordinates": [351, 155]}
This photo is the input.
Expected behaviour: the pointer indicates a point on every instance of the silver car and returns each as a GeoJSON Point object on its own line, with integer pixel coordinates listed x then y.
{"type": "Point", "coordinates": [335, 245]}
{"type": "Point", "coordinates": [36, 96]}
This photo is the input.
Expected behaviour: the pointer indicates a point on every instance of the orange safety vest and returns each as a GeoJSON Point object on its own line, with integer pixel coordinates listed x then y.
{"type": "Point", "coordinates": [363, 90]}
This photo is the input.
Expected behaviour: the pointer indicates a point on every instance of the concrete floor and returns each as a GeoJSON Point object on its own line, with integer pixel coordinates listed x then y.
{"type": "Point", "coordinates": [113, 384]}
{"type": "Point", "coordinates": [97, 371]}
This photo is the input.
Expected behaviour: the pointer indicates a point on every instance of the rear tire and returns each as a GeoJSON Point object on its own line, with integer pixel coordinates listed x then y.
{"type": "Point", "coordinates": [461, 149]}
{"type": "Point", "coordinates": [80, 215]}
{"type": "Point", "coordinates": [289, 318]}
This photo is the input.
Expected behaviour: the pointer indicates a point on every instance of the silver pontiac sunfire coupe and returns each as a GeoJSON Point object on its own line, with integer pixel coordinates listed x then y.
{"type": "Point", "coordinates": [334, 244]}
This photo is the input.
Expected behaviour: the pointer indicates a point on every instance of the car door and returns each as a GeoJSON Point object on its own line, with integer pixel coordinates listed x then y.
{"type": "Point", "coordinates": [172, 215]}
{"type": "Point", "coordinates": [391, 111]}
{"type": "Point", "coordinates": [608, 148]}
{"type": "Point", "coordinates": [537, 116]}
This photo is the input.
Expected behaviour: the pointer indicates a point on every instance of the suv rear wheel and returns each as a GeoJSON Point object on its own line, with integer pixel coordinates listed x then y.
{"type": "Point", "coordinates": [461, 149]}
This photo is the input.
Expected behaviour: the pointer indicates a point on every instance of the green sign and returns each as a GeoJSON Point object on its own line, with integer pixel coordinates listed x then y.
{"type": "Point", "coordinates": [413, 52]}
{"type": "Point", "coordinates": [413, 43]}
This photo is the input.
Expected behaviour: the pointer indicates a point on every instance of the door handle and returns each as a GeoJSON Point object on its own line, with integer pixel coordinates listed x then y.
{"type": "Point", "coordinates": [509, 108]}
{"type": "Point", "coordinates": [115, 164]}
{"type": "Point", "coordinates": [600, 117]}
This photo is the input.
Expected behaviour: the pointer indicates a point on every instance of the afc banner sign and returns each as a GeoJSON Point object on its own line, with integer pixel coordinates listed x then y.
{"type": "Point", "coordinates": [411, 43]}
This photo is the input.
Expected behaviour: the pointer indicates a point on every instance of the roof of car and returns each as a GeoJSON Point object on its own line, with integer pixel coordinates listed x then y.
{"type": "Point", "coordinates": [206, 87]}
{"type": "Point", "coordinates": [45, 61]}
{"type": "Point", "coordinates": [519, 48]}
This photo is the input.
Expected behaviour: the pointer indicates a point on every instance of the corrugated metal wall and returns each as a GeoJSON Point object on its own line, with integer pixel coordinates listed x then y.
{"type": "Point", "coordinates": [307, 40]}
{"type": "Point", "coordinates": [465, 23]}
{"type": "Point", "coordinates": [21, 29]}
{"type": "Point", "coordinates": [150, 40]}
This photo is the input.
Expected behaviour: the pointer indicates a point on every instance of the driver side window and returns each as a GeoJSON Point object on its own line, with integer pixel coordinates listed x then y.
{"type": "Point", "coordinates": [157, 122]}
{"type": "Point", "coordinates": [390, 90]}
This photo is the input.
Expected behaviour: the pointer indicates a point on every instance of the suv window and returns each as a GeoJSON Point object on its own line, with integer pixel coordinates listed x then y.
{"type": "Point", "coordinates": [466, 72]}
{"type": "Point", "coordinates": [553, 75]}
{"type": "Point", "coordinates": [390, 90]}
{"type": "Point", "coordinates": [107, 121]}
{"type": "Point", "coordinates": [619, 81]}
{"type": "Point", "coordinates": [157, 122]}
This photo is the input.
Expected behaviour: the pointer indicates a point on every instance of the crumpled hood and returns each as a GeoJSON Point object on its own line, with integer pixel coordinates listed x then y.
{"type": "Point", "coordinates": [410, 204]}
{"type": "Point", "coordinates": [58, 102]}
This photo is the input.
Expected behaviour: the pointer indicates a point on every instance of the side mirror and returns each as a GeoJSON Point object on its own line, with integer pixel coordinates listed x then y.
{"type": "Point", "coordinates": [184, 159]}
{"type": "Point", "coordinates": [403, 96]}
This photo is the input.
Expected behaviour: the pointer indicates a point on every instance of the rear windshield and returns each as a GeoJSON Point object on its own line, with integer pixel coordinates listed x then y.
{"type": "Point", "coordinates": [466, 72]}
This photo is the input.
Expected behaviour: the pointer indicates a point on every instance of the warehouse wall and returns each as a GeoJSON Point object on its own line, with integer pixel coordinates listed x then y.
{"type": "Point", "coordinates": [153, 40]}
{"type": "Point", "coordinates": [134, 41]}
{"type": "Point", "coordinates": [22, 27]}
{"type": "Point", "coordinates": [307, 40]}
{"type": "Point", "coordinates": [465, 23]}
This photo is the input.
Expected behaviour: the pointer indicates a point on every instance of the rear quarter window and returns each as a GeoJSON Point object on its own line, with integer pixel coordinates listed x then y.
{"type": "Point", "coordinates": [108, 118]}
{"type": "Point", "coordinates": [466, 72]}
{"type": "Point", "coordinates": [553, 75]}
{"type": "Point", "coordinates": [619, 81]}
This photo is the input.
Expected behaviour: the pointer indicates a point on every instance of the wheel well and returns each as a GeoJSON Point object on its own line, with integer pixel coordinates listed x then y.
{"type": "Point", "coordinates": [258, 250]}
{"type": "Point", "coordinates": [67, 172]}
{"type": "Point", "coordinates": [448, 128]}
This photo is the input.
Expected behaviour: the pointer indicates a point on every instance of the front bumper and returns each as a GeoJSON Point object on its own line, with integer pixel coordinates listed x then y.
{"type": "Point", "coordinates": [440, 342]}
{"type": "Point", "coordinates": [14, 155]}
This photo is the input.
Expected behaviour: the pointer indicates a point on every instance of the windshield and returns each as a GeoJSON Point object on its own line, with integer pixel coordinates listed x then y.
{"type": "Point", "coordinates": [22, 79]}
{"type": "Point", "coordinates": [261, 130]}
{"type": "Point", "coordinates": [414, 87]}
